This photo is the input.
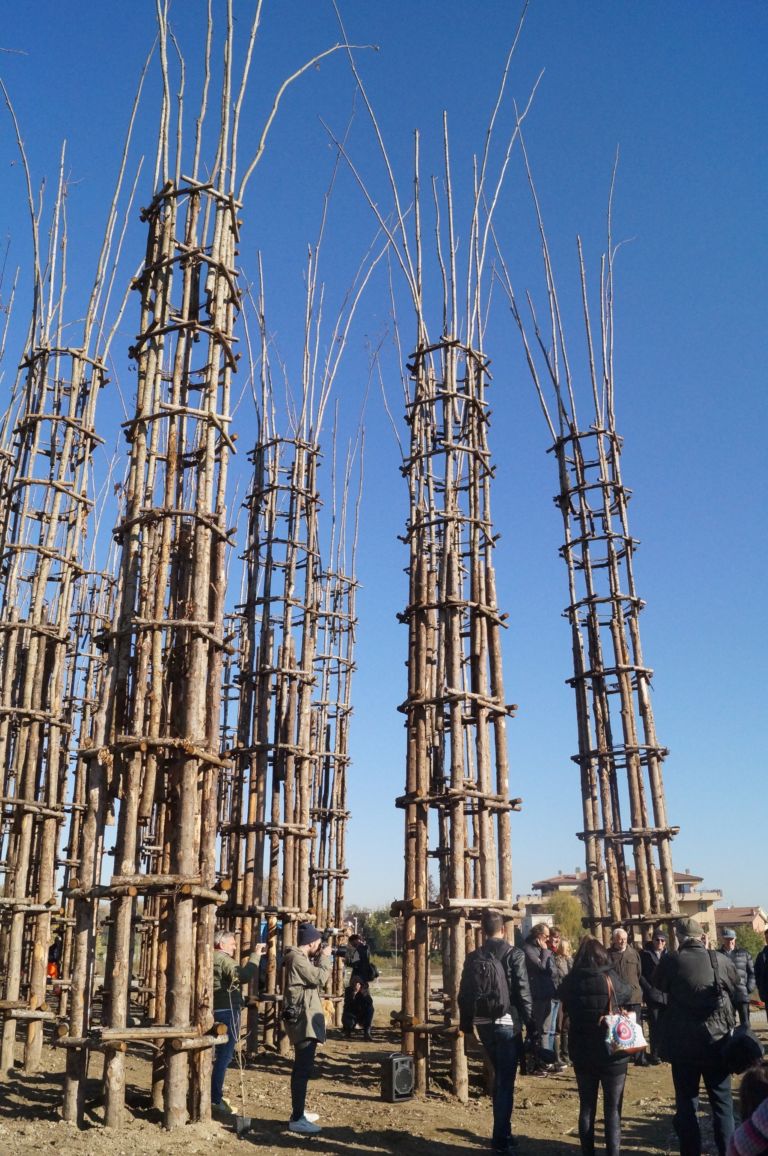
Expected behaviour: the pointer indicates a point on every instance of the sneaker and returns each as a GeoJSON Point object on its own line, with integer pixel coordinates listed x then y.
{"type": "Point", "coordinates": [304, 1126]}
{"type": "Point", "coordinates": [559, 1067]}
{"type": "Point", "coordinates": [224, 1106]}
{"type": "Point", "coordinates": [313, 1117]}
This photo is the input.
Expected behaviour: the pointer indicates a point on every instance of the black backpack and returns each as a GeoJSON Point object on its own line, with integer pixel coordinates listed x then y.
{"type": "Point", "coordinates": [484, 986]}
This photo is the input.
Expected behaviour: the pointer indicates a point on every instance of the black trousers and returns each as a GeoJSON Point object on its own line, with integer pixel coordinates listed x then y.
{"type": "Point", "coordinates": [611, 1077]}
{"type": "Point", "coordinates": [303, 1066]}
{"type": "Point", "coordinates": [687, 1077]}
{"type": "Point", "coordinates": [654, 1012]}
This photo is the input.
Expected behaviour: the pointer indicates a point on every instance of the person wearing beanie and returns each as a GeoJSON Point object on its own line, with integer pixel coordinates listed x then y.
{"type": "Point", "coordinates": [307, 968]}
{"type": "Point", "coordinates": [228, 978]}
{"type": "Point", "coordinates": [701, 988]}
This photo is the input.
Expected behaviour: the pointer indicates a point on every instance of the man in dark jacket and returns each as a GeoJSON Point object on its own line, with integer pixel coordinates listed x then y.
{"type": "Point", "coordinates": [745, 969]}
{"type": "Point", "coordinates": [761, 971]}
{"type": "Point", "coordinates": [502, 1038]}
{"type": "Point", "coordinates": [655, 1000]}
{"type": "Point", "coordinates": [540, 967]}
{"type": "Point", "coordinates": [701, 988]}
{"type": "Point", "coordinates": [625, 961]}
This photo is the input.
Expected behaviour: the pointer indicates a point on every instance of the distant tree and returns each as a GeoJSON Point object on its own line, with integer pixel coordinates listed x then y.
{"type": "Point", "coordinates": [750, 939]}
{"type": "Point", "coordinates": [378, 927]}
{"type": "Point", "coordinates": [566, 911]}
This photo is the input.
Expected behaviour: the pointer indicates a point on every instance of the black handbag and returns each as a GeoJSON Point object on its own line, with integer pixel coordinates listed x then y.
{"type": "Point", "coordinates": [741, 1049]}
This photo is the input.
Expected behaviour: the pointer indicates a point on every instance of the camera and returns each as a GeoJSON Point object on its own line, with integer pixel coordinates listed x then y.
{"type": "Point", "coordinates": [290, 1014]}
{"type": "Point", "coordinates": [331, 933]}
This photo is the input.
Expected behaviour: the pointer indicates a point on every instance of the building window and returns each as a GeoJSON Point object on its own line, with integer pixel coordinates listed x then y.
{"type": "Point", "coordinates": [703, 906]}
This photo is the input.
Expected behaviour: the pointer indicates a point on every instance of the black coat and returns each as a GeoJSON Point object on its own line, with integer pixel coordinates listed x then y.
{"type": "Point", "coordinates": [761, 974]}
{"type": "Point", "coordinates": [540, 964]}
{"type": "Point", "coordinates": [649, 961]}
{"type": "Point", "coordinates": [745, 969]}
{"type": "Point", "coordinates": [584, 993]}
{"type": "Point", "coordinates": [694, 1019]}
{"type": "Point", "coordinates": [358, 1005]}
{"type": "Point", "coordinates": [517, 982]}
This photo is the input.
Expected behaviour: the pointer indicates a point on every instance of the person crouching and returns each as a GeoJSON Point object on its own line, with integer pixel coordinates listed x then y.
{"type": "Point", "coordinates": [358, 1009]}
{"type": "Point", "coordinates": [307, 968]}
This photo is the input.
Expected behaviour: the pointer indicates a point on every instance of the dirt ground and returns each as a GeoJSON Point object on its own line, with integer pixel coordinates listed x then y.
{"type": "Point", "coordinates": [347, 1095]}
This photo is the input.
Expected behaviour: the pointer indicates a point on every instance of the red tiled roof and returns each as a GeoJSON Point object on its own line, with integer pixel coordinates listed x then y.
{"type": "Point", "coordinates": [735, 914]}
{"type": "Point", "coordinates": [580, 876]}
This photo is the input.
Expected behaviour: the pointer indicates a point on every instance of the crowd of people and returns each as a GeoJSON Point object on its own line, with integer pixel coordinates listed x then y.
{"type": "Point", "coordinates": [539, 1008]}
{"type": "Point", "coordinates": [307, 967]}
{"type": "Point", "coordinates": [693, 1000]}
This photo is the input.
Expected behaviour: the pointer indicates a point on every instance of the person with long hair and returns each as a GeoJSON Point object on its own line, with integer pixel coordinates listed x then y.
{"type": "Point", "coordinates": [585, 993]}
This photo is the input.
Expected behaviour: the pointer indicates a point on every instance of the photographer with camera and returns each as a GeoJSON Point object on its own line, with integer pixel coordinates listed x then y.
{"type": "Point", "coordinates": [307, 968]}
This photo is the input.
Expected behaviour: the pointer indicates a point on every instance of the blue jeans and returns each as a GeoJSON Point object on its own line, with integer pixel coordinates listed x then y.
{"type": "Point", "coordinates": [224, 1052]}
{"type": "Point", "coordinates": [686, 1078]}
{"type": "Point", "coordinates": [503, 1046]}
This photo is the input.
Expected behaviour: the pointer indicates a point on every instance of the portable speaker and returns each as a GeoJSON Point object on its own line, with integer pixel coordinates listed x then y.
{"type": "Point", "coordinates": [397, 1078]}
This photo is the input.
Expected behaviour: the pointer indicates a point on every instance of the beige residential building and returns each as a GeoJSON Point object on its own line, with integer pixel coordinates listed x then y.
{"type": "Point", "coordinates": [693, 899]}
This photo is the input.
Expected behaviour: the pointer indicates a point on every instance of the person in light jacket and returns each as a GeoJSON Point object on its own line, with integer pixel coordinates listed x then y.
{"type": "Point", "coordinates": [307, 968]}
{"type": "Point", "coordinates": [228, 978]}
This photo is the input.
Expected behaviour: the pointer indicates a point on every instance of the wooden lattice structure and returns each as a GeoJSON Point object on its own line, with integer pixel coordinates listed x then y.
{"type": "Point", "coordinates": [330, 734]}
{"type": "Point", "coordinates": [46, 479]}
{"type": "Point", "coordinates": [619, 759]}
{"type": "Point", "coordinates": [456, 803]}
{"type": "Point", "coordinates": [270, 826]}
{"type": "Point", "coordinates": [90, 623]}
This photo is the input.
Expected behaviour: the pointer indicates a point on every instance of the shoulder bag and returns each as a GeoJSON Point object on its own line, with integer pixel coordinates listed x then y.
{"type": "Point", "coordinates": [623, 1034]}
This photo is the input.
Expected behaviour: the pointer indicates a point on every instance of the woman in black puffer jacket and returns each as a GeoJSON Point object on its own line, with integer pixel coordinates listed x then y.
{"type": "Point", "coordinates": [584, 993]}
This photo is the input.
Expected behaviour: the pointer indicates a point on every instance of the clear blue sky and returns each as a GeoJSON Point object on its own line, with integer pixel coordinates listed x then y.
{"type": "Point", "coordinates": [681, 89]}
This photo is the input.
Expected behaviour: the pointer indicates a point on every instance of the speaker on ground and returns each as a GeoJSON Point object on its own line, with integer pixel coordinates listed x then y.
{"type": "Point", "coordinates": [397, 1077]}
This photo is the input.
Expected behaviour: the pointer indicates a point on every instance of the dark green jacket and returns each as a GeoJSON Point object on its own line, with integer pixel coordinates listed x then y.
{"type": "Point", "coordinates": [227, 978]}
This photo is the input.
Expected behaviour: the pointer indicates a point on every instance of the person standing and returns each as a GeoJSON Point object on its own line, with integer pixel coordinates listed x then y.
{"type": "Point", "coordinates": [540, 967]}
{"type": "Point", "coordinates": [586, 996]}
{"type": "Point", "coordinates": [655, 1000]}
{"type": "Point", "coordinates": [745, 969]}
{"type": "Point", "coordinates": [701, 988]}
{"type": "Point", "coordinates": [501, 1037]}
{"type": "Point", "coordinates": [307, 968]}
{"type": "Point", "coordinates": [228, 978]}
{"type": "Point", "coordinates": [761, 970]}
{"type": "Point", "coordinates": [562, 962]}
{"type": "Point", "coordinates": [626, 963]}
